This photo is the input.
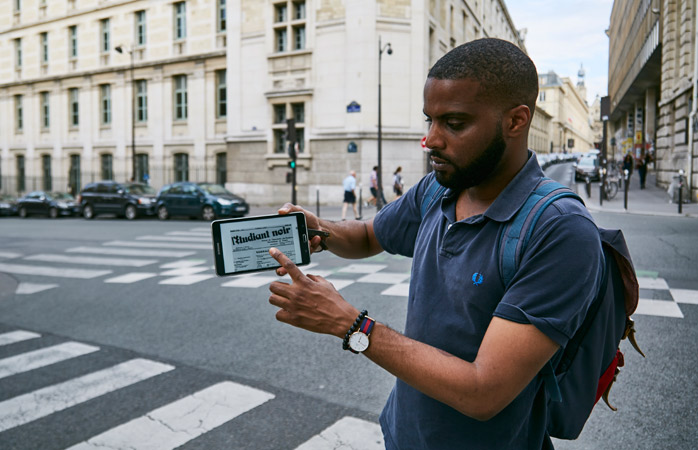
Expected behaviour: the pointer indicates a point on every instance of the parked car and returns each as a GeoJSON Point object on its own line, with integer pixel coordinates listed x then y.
{"type": "Point", "coordinates": [588, 166]}
{"type": "Point", "coordinates": [50, 204]}
{"type": "Point", "coordinates": [128, 200]}
{"type": "Point", "coordinates": [8, 205]}
{"type": "Point", "coordinates": [205, 200]}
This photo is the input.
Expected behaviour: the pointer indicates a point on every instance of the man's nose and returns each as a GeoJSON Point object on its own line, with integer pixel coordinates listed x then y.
{"type": "Point", "coordinates": [434, 139]}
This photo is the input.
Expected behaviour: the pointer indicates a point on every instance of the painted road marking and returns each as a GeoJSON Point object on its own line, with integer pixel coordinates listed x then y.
{"type": "Point", "coordinates": [43, 357]}
{"type": "Point", "coordinates": [662, 308]}
{"type": "Point", "coordinates": [131, 252]}
{"type": "Point", "coordinates": [33, 288]}
{"type": "Point", "coordinates": [176, 239]}
{"type": "Point", "coordinates": [91, 260]}
{"type": "Point", "coordinates": [652, 283]}
{"type": "Point", "coordinates": [131, 277]}
{"type": "Point", "coordinates": [685, 296]}
{"type": "Point", "coordinates": [158, 245]}
{"type": "Point", "coordinates": [182, 271]}
{"type": "Point", "coordinates": [399, 290]}
{"type": "Point", "coordinates": [52, 271]}
{"type": "Point", "coordinates": [384, 278]}
{"type": "Point", "coordinates": [186, 279]}
{"type": "Point", "coordinates": [183, 263]}
{"type": "Point", "coordinates": [17, 336]}
{"type": "Point", "coordinates": [179, 422]}
{"type": "Point", "coordinates": [348, 433]}
{"type": "Point", "coordinates": [340, 283]}
{"type": "Point", "coordinates": [363, 268]}
{"type": "Point", "coordinates": [43, 402]}
{"type": "Point", "coordinates": [9, 255]}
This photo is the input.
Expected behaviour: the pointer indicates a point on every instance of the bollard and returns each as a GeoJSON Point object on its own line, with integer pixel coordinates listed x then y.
{"type": "Point", "coordinates": [360, 202]}
{"type": "Point", "coordinates": [625, 188]}
{"type": "Point", "coordinates": [587, 186]}
{"type": "Point", "coordinates": [317, 202]}
{"type": "Point", "coordinates": [602, 185]}
{"type": "Point", "coordinates": [680, 190]}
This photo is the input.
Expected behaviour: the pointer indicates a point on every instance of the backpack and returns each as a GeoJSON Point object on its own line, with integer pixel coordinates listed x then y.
{"type": "Point", "coordinates": [584, 370]}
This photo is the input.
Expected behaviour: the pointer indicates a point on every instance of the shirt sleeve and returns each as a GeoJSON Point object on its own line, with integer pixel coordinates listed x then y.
{"type": "Point", "coordinates": [558, 278]}
{"type": "Point", "coordinates": [397, 223]}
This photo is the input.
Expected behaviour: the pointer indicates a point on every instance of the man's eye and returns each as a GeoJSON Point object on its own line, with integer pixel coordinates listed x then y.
{"type": "Point", "coordinates": [455, 125]}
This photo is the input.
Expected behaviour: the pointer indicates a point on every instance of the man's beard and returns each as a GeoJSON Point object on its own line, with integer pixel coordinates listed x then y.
{"type": "Point", "coordinates": [477, 171]}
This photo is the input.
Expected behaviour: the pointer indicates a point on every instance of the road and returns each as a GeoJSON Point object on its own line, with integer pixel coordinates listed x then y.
{"type": "Point", "coordinates": [113, 330]}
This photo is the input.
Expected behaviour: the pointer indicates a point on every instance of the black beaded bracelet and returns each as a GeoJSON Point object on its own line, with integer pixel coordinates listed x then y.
{"type": "Point", "coordinates": [353, 328]}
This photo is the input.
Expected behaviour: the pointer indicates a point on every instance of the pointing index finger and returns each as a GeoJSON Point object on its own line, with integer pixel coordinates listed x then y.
{"type": "Point", "coordinates": [293, 271]}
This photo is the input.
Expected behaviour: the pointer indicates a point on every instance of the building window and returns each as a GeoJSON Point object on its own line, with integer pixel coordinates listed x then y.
{"type": "Point", "coordinates": [221, 168]}
{"type": "Point", "coordinates": [44, 47]}
{"type": "Point", "coordinates": [74, 111]}
{"type": "Point", "coordinates": [18, 54]}
{"type": "Point", "coordinates": [141, 101]}
{"type": "Point", "coordinates": [46, 169]}
{"type": "Point", "coordinates": [541, 96]}
{"type": "Point", "coordinates": [140, 28]}
{"type": "Point", "coordinates": [73, 42]}
{"type": "Point", "coordinates": [105, 104]}
{"type": "Point", "coordinates": [19, 113]}
{"type": "Point", "coordinates": [181, 167]}
{"type": "Point", "coordinates": [142, 167]}
{"type": "Point", "coordinates": [105, 35]}
{"type": "Point", "coordinates": [106, 164]}
{"type": "Point", "coordinates": [295, 111]}
{"type": "Point", "coordinates": [74, 181]}
{"type": "Point", "coordinates": [180, 97]}
{"type": "Point", "coordinates": [180, 21]}
{"type": "Point", "coordinates": [45, 110]}
{"type": "Point", "coordinates": [221, 94]}
{"type": "Point", "coordinates": [18, 5]}
{"type": "Point", "coordinates": [289, 26]}
{"type": "Point", "coordinates": [221, 16]}
{"type": "Point", "coordinates": [21, 174]}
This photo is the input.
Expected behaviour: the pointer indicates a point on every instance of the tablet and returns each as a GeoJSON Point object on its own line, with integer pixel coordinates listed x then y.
{"type": "Point", "coordinates": [242, 245]}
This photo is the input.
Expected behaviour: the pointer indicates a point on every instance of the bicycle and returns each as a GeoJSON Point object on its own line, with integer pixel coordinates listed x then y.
{"type": "Point", "coordinates": [610, 186]}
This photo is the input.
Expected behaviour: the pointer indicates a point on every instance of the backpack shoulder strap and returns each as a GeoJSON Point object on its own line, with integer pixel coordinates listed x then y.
{"type": "Point", "coordinates": [515, 235]}
{"type": "Point", "coordinates": [434, 192]}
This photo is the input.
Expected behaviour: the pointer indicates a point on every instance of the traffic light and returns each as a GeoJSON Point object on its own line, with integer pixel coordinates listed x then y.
{"type": "Point", "coordinates": [292, 164]}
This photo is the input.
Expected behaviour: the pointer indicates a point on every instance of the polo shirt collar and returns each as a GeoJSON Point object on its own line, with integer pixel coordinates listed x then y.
{"type": "Point", "coordinates": [512, 198]}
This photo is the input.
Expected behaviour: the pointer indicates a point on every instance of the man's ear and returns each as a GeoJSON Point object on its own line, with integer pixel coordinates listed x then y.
{"type": "Point", "coordinates": [517, 121]}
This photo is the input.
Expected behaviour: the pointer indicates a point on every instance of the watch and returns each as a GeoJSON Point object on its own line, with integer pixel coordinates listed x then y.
{"type": "Point", "coordinates": [358, 341]}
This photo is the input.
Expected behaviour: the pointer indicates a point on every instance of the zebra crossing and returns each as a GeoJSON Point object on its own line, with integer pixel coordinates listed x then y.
{"type": "Point", "coordinates": [188, 417]}
{"type": "Point", "coordinates": [175, 259]}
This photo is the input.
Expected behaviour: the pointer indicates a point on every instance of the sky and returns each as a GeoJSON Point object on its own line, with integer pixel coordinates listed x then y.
{"type": "Point", "coordinates": [564, 34]}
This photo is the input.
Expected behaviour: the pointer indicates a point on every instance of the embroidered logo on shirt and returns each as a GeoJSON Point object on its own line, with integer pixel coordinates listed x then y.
{"type": "Point", "coordinates": [477, 279]}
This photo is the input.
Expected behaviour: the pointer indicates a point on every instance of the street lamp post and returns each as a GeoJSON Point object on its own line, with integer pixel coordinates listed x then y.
{"type": "Point", "coordinates": [379, 178]}
{"type": "Point", "coordinates": [133, 115]}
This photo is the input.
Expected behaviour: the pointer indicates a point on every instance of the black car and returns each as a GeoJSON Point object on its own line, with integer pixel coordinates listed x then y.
{"type": "Point", "coordinates": [205, 200]}
{"type": "Point", "coordinates": [50, 204]}
{"type": "Point", "coordinates": [8, 205]}
{"type": "Point", "coordinates": [588, 166]}
{"type": "Point", "coordinates": [128, 200]}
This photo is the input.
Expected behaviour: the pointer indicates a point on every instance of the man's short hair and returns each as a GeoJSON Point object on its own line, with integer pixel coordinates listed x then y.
{"type": "Point", "coordinates": [507, 76]}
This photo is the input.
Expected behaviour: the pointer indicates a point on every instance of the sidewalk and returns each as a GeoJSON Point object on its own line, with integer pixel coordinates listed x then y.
{"type": "Point", "coordinates": [652, 200]}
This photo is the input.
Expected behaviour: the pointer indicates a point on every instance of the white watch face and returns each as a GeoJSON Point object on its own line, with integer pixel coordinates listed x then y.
{"type": "Point", "coordinates": [358, 341]}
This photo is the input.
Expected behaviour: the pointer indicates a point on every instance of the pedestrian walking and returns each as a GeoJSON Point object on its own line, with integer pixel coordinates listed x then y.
{"type": "Point", "coordinates": [374, 186]}
{"type": "Point", "coordinates": [349, 185]}
{"type": "Point", "coordinates": [468, 364]}
{"type": "Point", "coordinates": [398, 185]}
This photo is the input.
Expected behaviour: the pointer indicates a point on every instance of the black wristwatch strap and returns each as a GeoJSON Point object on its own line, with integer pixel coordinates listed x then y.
{"type": "Point", "coordinates": [353, 328]}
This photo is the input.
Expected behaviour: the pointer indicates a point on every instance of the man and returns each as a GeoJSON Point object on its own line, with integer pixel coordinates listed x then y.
{"type": "Point", "coordinates": [349, 185]}
{"type": "Point", "coordinates": [374, 187]}
{"type": "Point", "coordinates": [468, 364]}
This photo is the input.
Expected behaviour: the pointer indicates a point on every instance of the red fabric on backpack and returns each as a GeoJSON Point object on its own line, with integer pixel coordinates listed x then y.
{"type": "Point", "coordinates": [609, 375]}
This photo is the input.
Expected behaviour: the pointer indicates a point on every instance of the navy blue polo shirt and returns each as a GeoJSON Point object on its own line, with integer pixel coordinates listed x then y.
{"type": "Point", "coordinates": [456, 288]}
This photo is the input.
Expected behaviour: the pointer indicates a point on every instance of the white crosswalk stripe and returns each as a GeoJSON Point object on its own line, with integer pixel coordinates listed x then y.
{"type": "Point", "coordinates": [179, 422]}
{"type": "Point", "coordinates": [131, 252]}
{"type": "Point", "coordinates": [91, 260]}
{"type": "Point", "coordinates": [348, 433]}
{"type": "Point", "coordinates": [46, 271]}
{"type": "Point", "coordinates": [43, 357]}
{"type": "Point", "coordinates": [12, 337]}
{"type": "Point", "coordinates": [40, 403]}
{"type": "Point", "coordinates": [159, 245]}
{"type": "Point", "coordinates": [175, 238]}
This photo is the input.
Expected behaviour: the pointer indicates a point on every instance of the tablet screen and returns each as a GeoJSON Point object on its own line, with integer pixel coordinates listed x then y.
{"type": "Point", "coordinates": [245, 243]}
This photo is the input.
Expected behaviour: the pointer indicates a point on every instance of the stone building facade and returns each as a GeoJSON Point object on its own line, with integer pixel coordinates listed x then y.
{"type": "Point", "coordinates": [207, 85]}
{"type": "Point", "coordinates": [652, 84]}
{"type": "Point", "coordinates": [565, 102]}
